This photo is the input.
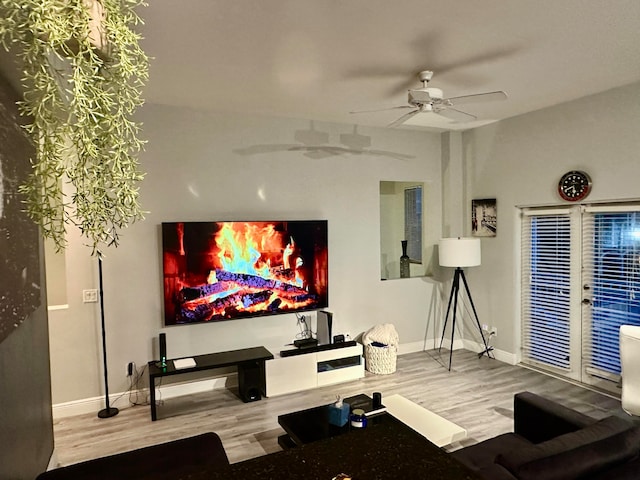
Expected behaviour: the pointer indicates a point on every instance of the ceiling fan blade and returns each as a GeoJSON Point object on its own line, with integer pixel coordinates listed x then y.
{"type": "Point", "coordinates": [382, 109]}
{"type": "Point", "coordinates": [455, 72]}
{"type": "Point", "coordinates": [457, 115]}
{"type": "Point", "coordinates": [403, 118]}
{"type": "Point", "coordinates": [478, 97]}
{"type": "Point", "coordinates": [428, 40]}
{"type": "Point", "coordinates": [476, 59]}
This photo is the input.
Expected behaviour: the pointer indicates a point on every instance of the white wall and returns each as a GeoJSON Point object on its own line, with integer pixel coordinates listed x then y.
{"type": "Point", "coordinates": [519, 162]}
{"type": "Point", "coordinates": [197, 170]}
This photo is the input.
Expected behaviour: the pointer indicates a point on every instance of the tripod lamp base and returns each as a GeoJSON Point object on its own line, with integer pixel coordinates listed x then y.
{"type": "Point", "coordinates": [108, 412]}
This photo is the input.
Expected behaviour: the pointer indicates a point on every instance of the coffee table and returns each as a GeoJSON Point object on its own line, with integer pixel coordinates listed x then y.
{"type": "Point", "coordinates": [312, 424]}
{"type": "Point", "coordinates": [390, 450]}
{"type": "Point", "coordinates": [307, 426]}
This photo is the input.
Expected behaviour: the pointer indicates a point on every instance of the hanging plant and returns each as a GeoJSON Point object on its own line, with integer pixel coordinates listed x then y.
{"type": "Point", "coordinates": [83, 72]}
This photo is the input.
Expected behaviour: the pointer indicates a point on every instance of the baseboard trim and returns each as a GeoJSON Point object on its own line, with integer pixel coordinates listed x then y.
{"type": "Point", "coordinates": [428, 344]}
{"type": "Point", "coordinates": [54, 462]}
{"type": "Point", "coordinates": [501, 355]}
{"type": "Point", "coordinates": [121, 400]}
{"type": "Point", "coordinates": [199, 386]}
{"type": "Point", "coordinates": [458, 344]}
{"type": "Point", "coordinates": [413, 347]}
{"type": "Point", "coordinates": [82, 406]}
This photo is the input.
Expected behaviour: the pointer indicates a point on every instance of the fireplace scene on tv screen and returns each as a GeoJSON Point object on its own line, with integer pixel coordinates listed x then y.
{"type": "Point", "coordinates": [226, 270]}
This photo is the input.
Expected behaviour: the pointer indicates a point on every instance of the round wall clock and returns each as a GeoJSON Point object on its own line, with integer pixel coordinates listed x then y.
{"type": "Point", "coordinates": [574, 185]}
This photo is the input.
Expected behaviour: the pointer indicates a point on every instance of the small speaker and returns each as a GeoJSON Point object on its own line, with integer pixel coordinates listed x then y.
{"type": "Point", "coordinates": [162, 339]}
{"type": "Point", "coordinates": [250, 381]}
{"type": "Point", "coordinates": [323, 328]}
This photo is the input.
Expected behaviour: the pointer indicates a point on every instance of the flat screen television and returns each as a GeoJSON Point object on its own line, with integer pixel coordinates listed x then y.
{"type": "Point", "coordinates": [217, 271]}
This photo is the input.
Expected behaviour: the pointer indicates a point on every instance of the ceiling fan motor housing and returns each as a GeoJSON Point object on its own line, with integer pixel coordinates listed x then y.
{"type": "Point", "coordinates": [425, 76]}
{"type": "Point", "coordinates": [423, 96]}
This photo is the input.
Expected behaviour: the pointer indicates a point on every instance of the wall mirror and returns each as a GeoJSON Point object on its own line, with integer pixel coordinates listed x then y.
{"type": "Point", "coordinates": [401, 230]}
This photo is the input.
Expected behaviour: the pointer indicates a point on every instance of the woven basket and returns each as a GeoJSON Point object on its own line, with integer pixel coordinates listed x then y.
{"type": "Point", "coordinates": [380, 360]}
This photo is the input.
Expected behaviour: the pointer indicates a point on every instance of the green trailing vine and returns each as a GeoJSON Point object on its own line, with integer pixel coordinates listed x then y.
{"type": "Point", "coordinates": [81, 88]}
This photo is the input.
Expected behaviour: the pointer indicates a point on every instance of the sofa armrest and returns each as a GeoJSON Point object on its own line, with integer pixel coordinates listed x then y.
{"type": "Point", "coordinates": [539, 419]}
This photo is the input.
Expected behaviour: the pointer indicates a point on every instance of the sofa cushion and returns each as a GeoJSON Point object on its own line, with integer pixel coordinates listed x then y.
{"type": "Point", "coordinates": [484, 453]}
{"type": "Point", "coordinates": [584, 460]}
{"type": "Point", "coordinates": [513, 458]}
{"type": "Point", "coordinates": [495, 472]}
{"type": "Point", "coordinates": [625, 471]}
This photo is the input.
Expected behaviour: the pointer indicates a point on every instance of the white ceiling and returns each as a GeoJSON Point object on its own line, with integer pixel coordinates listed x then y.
{"type": "Point", "coordinates": [321, 59]}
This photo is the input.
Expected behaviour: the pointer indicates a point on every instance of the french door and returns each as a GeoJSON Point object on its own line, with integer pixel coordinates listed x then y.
{"type": "Point", "coordinates": [580, 282]}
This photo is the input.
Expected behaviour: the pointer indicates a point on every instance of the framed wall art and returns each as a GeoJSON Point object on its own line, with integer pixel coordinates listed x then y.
{"type": "Point", "coordinates": [484, 217]}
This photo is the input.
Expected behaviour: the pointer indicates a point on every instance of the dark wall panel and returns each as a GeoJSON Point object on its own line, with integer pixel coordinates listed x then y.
{"type": "Point", "coordinates": [26, 425]}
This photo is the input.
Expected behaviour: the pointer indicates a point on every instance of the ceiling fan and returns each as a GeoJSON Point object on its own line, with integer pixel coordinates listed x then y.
{"type": "Point", "coordinates": [431, 99]}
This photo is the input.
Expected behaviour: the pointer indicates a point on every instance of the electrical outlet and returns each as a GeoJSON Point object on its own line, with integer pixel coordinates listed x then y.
{"type": "Point", "coordinates": [494, 331]}
{"type": "Point", "coordinates": [130, 368]}
{"type": "Point", "coordinates": [485, 327]}
{"type": "Point", "coordinates": [90, 295]}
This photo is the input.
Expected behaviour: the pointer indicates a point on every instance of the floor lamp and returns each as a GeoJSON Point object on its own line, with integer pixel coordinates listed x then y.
{"type": "Point", "coordinates": [108, 411]}
{"type": "Point", "coordinates": [459, 253]}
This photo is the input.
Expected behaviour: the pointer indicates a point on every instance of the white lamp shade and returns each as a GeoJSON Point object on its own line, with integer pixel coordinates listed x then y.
{"type": "Point", "coordinates": [459, 252]}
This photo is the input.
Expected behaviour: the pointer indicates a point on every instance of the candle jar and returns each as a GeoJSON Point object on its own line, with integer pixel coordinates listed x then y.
{"type": "Point", "coordinates": [358, 419]}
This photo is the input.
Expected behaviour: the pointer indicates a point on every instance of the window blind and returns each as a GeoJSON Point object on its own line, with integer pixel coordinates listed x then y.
{"type": "Point", "coordinates": [611, 275]}
{"type": "Point", "coordinates": [546, 277]}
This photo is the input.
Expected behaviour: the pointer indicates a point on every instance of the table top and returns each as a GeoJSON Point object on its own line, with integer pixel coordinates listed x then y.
{"type": "Point", "coordinates": [389, 450]}
{"type": "Point", "coordinates": [212, 360]}
{"type": "Point", "coordinates": [312, 424]}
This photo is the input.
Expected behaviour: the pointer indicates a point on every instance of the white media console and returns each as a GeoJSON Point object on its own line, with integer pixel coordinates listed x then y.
{"type": "Point", "coordinates": [303, 371]}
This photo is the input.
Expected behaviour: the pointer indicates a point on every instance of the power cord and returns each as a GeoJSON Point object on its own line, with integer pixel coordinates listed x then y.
{"type": "Point", "coordinates": [135, 386]}
{"type": "Point", "coordinates": [490, 349]}
{"type": "Point", "coordinates": [305, 328]}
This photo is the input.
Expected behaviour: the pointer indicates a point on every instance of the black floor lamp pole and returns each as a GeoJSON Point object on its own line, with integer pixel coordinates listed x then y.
{"type": "Point", "coordinates": [108, 411]}
{"type": "Point", "coordinates": [455, 289]}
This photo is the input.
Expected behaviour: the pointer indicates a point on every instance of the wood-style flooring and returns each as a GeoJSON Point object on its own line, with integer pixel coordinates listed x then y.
{"type": "Point", "coordinates": [477, 394]}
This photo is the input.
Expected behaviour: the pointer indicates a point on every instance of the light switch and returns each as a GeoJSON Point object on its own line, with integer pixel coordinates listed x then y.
{"type": "Point", "coordinates": [90, 295]}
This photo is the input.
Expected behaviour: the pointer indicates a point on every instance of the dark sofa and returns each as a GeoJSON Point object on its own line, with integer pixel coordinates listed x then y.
{"type": "Point", "coordinates": [553, 442]}
{"type": "Point", "coordinates": [166, 461]}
